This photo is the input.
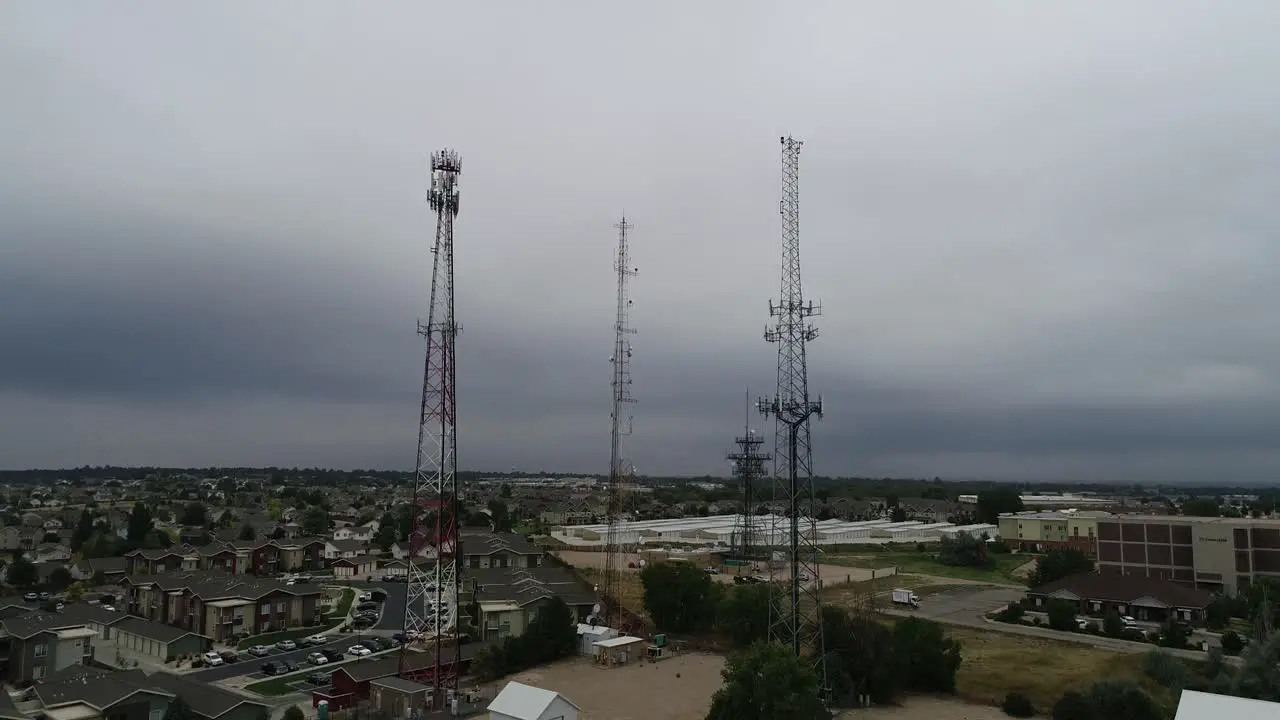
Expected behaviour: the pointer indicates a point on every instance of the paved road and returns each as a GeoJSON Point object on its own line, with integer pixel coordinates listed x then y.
{"type": "Point", "coordinates": [967, 606]}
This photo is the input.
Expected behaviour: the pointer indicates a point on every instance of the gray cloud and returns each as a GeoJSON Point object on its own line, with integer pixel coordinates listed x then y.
{"type": "Point", "coordinates": [1043, 237]}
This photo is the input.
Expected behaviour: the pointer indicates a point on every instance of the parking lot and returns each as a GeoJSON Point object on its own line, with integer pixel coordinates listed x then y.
{"type": "Point", "coordinates": [390, 619]}
{"type": "Point", "coordinates": [962, 604]}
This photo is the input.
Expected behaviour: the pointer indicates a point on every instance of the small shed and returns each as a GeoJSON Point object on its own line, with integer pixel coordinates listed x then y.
{"type": "Point", "coordinates": [518, 701]}
{"type": "Point", "coordinates": [589, 635]}
{"type": "Point", "coordinates": [398, 696]}
{"type": "Point", "coordinates": [618, 650]}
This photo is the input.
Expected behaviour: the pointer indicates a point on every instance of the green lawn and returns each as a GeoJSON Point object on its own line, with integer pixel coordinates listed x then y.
{"type": "Point", "coordinates": [926, 563]}
{"type": "Point", "coordinates": [343, 607]}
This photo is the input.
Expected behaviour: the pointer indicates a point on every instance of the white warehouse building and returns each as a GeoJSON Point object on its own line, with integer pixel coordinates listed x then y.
{"type": "Point", "coordinates": [767, 530]}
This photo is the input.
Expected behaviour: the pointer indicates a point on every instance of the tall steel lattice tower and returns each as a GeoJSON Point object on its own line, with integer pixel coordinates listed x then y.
{"type": "Point", "coordinates": [749, 470]}
{"type": "Point", "coordinates": [620, 468]}
{"type": "Point", "coordinates": [794, 617]}
{"type": "Point", "coordinates": [431, 610]}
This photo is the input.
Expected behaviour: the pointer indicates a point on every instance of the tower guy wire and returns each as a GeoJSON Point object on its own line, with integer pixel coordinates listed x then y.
{"type": "Point", "coordinates": [431, 612]}
{"type": "Point", "coordinates": [620, 468]}
{"type": "Point", "coordinates": [749, 470]}
{"type": "Point", "coordinates": [795, 616]}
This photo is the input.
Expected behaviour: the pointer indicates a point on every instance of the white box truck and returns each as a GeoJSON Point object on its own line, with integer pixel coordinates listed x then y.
{"type": "Point", "coordinates": [905, 597]}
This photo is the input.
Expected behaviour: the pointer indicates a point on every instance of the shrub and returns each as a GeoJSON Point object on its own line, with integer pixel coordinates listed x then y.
{"type": "Point", "coordinates": [1232, 644]}
{"type": "Point", "coordinates": [1092, 627]}
{"type": "Point", "coordinates": [1011, 614]}
{"type": "Point", "coordinates": [1017, 705]}
{"type": "Point", "coordinates": [1036, 620]}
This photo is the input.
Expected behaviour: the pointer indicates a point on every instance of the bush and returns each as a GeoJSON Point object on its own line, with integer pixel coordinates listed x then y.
{"type": "Point", "coordinates": [1062, 615]}
{"type": "Point", "coordinates": [1232, 644]}
{"type": "Point", "coordinates": [1036, 621]}
{"type": "Point", "coordinates": [1092, 627]}
{"type": "Point", "coordinates": [1011, 614]}
{"type": "Point", "coordinates": [1017, 705]}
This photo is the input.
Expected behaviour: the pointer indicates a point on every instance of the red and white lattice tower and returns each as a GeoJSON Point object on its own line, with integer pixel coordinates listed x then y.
{"type": "Point", "coordinates": [431, 610]}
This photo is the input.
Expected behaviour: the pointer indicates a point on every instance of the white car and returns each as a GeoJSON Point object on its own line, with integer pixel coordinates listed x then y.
{"type": "Point", "coordinates": [317, 659]}
{"type": "Point", "coordinates": [212, 659]}
{"type": "Point", "coordinates": [286, 645]}
{"type": "Point", "coordinates": [358, 650]}
{"type": "Point", "coordinates": [366, 597]}
{"type": "Point", "coordinates": [318, 640]}
{"type": "Point", "coordinates": [259, 650]}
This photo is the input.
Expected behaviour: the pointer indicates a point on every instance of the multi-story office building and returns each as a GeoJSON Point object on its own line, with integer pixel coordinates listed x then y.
{"type": "Point", "coordinates": [1216, 554]}
{"type": "Point", "coordinates": [1040, 531]}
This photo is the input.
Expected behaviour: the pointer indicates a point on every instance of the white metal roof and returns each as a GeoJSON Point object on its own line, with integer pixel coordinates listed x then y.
{"type": "Point", "coordinates": [618, 641]}
{"type": "Point", "coordinates": [1195, 705]}
{"type": "Point", "coordinates": [524, 702]}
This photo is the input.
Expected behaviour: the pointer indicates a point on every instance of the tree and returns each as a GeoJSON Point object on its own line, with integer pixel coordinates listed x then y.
{"type": "Point", "coordinates": [1073, 706]}
{"type": "Point", "coordinates": [59, 579]}
{"type": "Point", "coordinates": [180, 710]}
{"type": "Point", "coordinates": [315, 521]}
{"type": "Point", "coordinates": [866, 660]}
{"type": "Point", "coordinates": [1122, 700]}
{"type": "Point", "coordinates": [194, 514]}
{"type": "Point", "coordinates": [1059, 563]}
{"type": "Point", "coordinates": [386, 535]}
{"type": "Point", "coordinates": [140, 524]}
{"type": "Point", "coordinates": [1173, 634]}
{"type": "Point", "coordinates": [767, 682]}
{"type": "Point", "coordinates": [500, 515]}
{"type": "Point", "coordinates": [294, 713]}
{"type": "Point", "coordinates": [84, 530]}
{"type": "Point", "coordinates": [1201, 507]}
{"type": "Point", "coordinates": [247, 532]}
{"type": "Point", "coordinates": [678, 596]}
{"type": "Point", "coordinates": [991, 503]}
{"type": "Point", "coordinates": [1018, 705]}
{"type": "Point", "coordinates": [1112, 625]}
{"type": "Point", "coordinates": [22, 573]}
{"type": "Point", "coordinates": [505, 491]}
{"type": "Point", "coordinates": [743, 613]}
{"type": "Point", "coordinates": [274, 509]}
{"type": "Point", "coordinates": [930, 657]}
{"type": "Point", "coordinates": [1062, 615]}
{"type": "Point", "coordinates": [1231, 643]}
{"type": "Point", "coordinates": [897, 514]}
{"type": "Point", "coordinates": [963, 550]}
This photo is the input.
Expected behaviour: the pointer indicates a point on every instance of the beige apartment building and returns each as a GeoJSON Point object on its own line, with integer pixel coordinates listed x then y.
{"type": "Point", "coordinates": [1215, 554]}
{"type": "Point", "coordinates": [1040, 531]}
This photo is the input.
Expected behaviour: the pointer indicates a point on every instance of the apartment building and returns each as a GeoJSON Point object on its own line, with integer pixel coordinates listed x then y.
{"type": "Point", "coordinates": [506, 599]}
{"type": "Point", "coordinates": [262, 557]}
{"type": "Point", "coordinates": [482, 550]}
{"type": "Point", "coordinates": [1215, 554]}
{"type": "Point", "coordinates": [39, 644]}
{"type": "Point", "coordinates": [1040, 531]}
{"type": "Point", "coordinates": [220, 606]}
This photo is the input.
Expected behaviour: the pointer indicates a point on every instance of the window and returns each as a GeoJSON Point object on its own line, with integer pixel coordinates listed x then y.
{"type": "Point", "coordinates": [37, 672]}
{"type": "Point", "coordinates": [42, 650]}
{"type": "Point", "coordinates": [265, 609]}
{"type": "Point", "coordinates": [157, 715]}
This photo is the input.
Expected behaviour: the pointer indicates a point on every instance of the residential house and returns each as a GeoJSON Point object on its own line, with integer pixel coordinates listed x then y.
{"type": "Point", "coordinates": [1144, 598]}
{"type": "Point", "coordinates": [221, 606]}
{"type": "Point", "coordinates": [209, 702]}
{"type": "Point", "coordinates": [11, 538]}
{"type": "Point", "coordinates": [361, 533]}
{"type": "Point", "coordinates": [112, 569]}
{"type": "Point", "coordinates": [42, 643]}
{"type": "Point", "coordinates": [287, 555]}
{"type": "Point", "coordinates": [347, 548]}
{"type": "Point", "coordinates": [49, 552]}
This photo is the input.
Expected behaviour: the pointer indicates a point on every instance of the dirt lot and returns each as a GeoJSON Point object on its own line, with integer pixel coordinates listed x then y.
{"type": "Point", "coordinates": [678, 688]}
{"type": "Point", "coordinates": [681, 688]}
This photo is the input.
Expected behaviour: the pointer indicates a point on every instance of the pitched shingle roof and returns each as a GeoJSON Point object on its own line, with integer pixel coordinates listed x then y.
{"type": "Point", "coordinates": [1126, 589]}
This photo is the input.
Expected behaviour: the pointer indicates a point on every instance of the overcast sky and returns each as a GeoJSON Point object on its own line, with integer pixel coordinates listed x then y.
{"type": "Point", "coordinates": [1045, 238]}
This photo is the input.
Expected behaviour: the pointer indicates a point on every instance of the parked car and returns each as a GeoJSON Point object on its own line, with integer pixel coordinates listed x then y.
{"type": "Point", "coordinates": [229, 656]}
{"type": "Point", "coordinates": [319, 639]}
{"type": "Point", "coordinates": [260, 650]}
{"type": "Point", "coordinates": [31, 597]}
{"type": "Point", "coordinates": [272, 668]}
{"type": "Point", "coordinates": [333, 654]}
{"type": "Point", "coordinates": [286, 645]}
{"type": "Point", "coordinates": [212, 659]}
{"type": "Point", "coordinates": [389, 578]}
{"type": "Point", "coordinates": [358, 650]}
{"type": "Point", "coordinates": [383, 643]}
{"type": "Point", "coordinates": [365, 597]}
{"type": "Point", "coordinates": [317, 658]}
{"type": "Point", "coordinates": [372, 645]}
{"type": "Point", "coordinates": [367, 606]}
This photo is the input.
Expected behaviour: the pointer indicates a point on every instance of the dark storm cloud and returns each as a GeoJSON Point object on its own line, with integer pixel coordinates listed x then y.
{"type": "Point", "coordinates": [1044, 237]}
